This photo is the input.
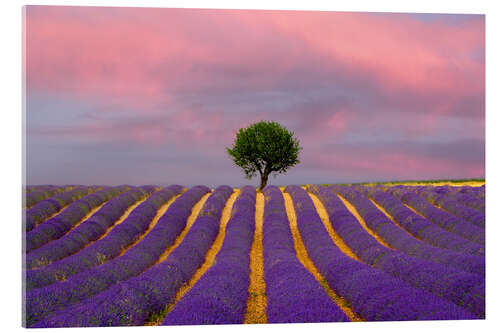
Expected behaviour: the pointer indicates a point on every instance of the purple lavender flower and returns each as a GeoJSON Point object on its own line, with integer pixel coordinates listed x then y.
{"type": "Point", "coordinates": [372, 293]}
{"type": "Point", "coordinates": [155, 283]}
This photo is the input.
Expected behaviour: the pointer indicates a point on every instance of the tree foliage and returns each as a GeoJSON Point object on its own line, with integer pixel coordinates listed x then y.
{"type": "Point", "coordinates": [265, 148]}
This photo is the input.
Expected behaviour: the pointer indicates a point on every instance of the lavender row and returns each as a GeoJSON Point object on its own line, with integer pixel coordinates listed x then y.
{"type": "Point", "coordinates": [423, 229]}
{"type": "Point", "coordinates": [472, 197]}
{"type": "Point", "coordinates": [471, 201]}
{"type": "Point", "coordinates": [372, 293]}
{"type": "Point", "coordinates": [476, 191]}
{"type": "Point", "coordinates": [293, 294]}
{"type": "Point", "coordinates": [132, 302]}
{"type": "Point", "coordinates": [454, 207]}
{"type": "Point", "coordinates": [35, 188]}
{"type": "Point", "coordinates": [401, 240]}
{"type": "Point", "coordinates": [66, 243]}
{"type": "Point", "coordinates": [447, 282]}
{"type": "Point", "coordinates": [43, 301]}
{"type": "Point", "coordinates": [44, 209]}
{"type": "Point", "coordinates": [220, 296]}
{"type": "Point", "coordinates": [440, 217]}
{"type": "Point", "coordinates": [102, 250]}
{"type": "Point", "coordinates": [35, 197]}
{"type": "Point", "coordinates": [55, 227]}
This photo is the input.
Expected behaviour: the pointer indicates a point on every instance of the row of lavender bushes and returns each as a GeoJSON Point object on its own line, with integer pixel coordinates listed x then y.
{"type": "Point", "coordinates": [220, 296]}
{"type": "Point", "coordinates": [65, 241]}
{"type": "Point", "coordinates": [59, 225]}
{"type": "Point", "coordinates": [402, 241]}
{"type": "Point", "coordinates": [100, 251]}
{"type": "Point", "coordinates": [130, 289]}
{"type": "Point", "coordinates": [137, 296]}
{"type": "Point", "coordinates": [35, 196]}
{"type": "Point", "coordinates": [440, 217]}
{"type": "Point", "coordinates": [293, 294]}
{"type": "Point", "coordinates": [470, 196]}
{"type": "Point", "coordinates": [450, 283]}
{"type": "Point", "coordinates": [453, 205]}
{"type": "Point", "coordinates": [419, 226]}
{"type": "Point", "coordinates": [372, 293]}
{"type": "Point", "coordinates": [48, 207]}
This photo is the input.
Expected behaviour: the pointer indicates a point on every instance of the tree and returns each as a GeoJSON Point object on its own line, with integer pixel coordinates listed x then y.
{"type": "Point", "coordinates": [265, 147]}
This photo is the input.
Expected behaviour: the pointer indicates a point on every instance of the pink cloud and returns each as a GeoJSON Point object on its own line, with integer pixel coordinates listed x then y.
{"type": "Point", "coordinates": [394, 165]}
{"type": "Point", "coordinates": [189, 78]}
{"type": "Point", "coordinates": [151, 53]}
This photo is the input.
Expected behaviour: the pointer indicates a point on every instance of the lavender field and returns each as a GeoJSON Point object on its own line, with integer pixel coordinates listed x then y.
{"type": "Point", "coordinates": [145, 255]}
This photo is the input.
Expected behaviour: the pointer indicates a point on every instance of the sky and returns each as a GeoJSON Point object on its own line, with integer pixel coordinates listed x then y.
{"type": "Point", "coordinates": [155, 95]}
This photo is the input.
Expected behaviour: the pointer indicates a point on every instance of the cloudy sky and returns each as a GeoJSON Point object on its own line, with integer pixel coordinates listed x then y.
{"type": "Point", "coordinates": [153, 96]}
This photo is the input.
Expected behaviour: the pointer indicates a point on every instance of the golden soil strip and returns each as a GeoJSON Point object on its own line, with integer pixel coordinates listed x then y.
{"type": "Point", "coordinates": [438, 207]}
{"type": "Point", "coordinates": [153, 222]}
{"type": "Point", "coordinates": [120, 220]}
{"type": "Point", "coordinates": [323, 214]}
{"type": "Point", "coordinates": [54, 215]}
{"type": "Point", "coordinates": [209, 258]}
{"type": "Point", "coordinates": [214, 249]}
{"type": "Point", "coordinates": [257, 299]}
{"type": "Point", "coordinates": [86, 217]}
{"type": "Point", "coordinates": [123, 217]}
{"type": "Point", "coordinates": [303, 257]}
{"type": "Point", "coordinates": [432, 204]}
{"type": "Point", "coordinates": [413, 210]}
{"type": "Point", "coordinates": [194, 214]}
{"type": "Point", "coordinates": [361, 221]}
{"type": "Point", "coordinates": [65, 207]}
{"type": "Point", "coordinates": [382, 209]}
{"type": "Point", "coordinates": [46, 262]}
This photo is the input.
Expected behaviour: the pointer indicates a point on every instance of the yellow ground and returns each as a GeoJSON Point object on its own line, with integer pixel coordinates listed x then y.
{"type": "Point", "coordinates": [323, 214]}
{"type": "Point", "coordinates": [303, 257]}
{"type": "Point", "coordinates": [44, 261]}
{"type": "Point", "coordinates": [257, 300]}
{"type": "Point", "coordinates": [209, 258]}
{"type": "Point", "coordinates": [361, 221]}
{"type": "Point", "coordinates": [194, 214]}
{"type": "Point", "coordinates": [154, 221]}
{"type": "Point", "coordinates": [123, 217]}
{"type": "Point", "coordinates": [86, 217]}
{"type": "Point", "coordinates": [386, 213]}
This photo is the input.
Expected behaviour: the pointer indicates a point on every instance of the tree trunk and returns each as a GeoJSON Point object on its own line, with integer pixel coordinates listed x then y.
{"type": "Point", "coordinates": [263, 181]}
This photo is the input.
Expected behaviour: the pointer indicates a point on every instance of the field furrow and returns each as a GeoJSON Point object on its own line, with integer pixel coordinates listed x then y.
{"type": "Point", "coordinates": [49, 208]}
{"type": "Point", "coordinates": [421, 228]}
{"type": "Point", "coordinates": [336, 310]}
{"type": "Point", "coordinates": [440, 217]}
{"type": "Point", "coordinates": [80, 235]}
{"type": "Point", "coordinates": [135, 300]}
{"type": "Point", "coordinates": [218, 291]}
{"type": "Point", "coordinates": [362, 222]}
{"type": "Point", "coordinates": [318, 243]}
{"type": "Point", "coordinates": [144, 255]}
{"type": "Point", "coordinates": [103, 250]}
{"type": "Point", "coordinates": [454, 207]}
{"type": "Point", "coordinates": [46, 254]}
{"type": "Point", "coordinates": [447, 282]}
{"type": "Point", "coordinates": [400, 240]}
{"type": "Point", "coordinates": [57, 226]}
{"type": "Point", "coordinates": [35, 197]}
{"type": "Point", "coordinates": [257, 300]}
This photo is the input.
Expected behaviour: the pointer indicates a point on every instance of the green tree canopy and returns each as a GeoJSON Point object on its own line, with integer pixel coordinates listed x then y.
{"type": "Point", "coordinates": [265, 147]}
